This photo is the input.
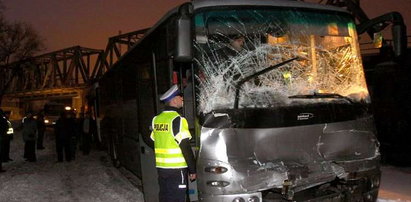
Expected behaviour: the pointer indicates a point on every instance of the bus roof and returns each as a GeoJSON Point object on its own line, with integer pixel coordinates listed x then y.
{"type": "Point", "coordinates": [199, 4]}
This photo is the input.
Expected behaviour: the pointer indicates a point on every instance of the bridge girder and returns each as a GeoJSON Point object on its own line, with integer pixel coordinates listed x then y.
{"type": "Point", "coordinates": [63, 70]}
{"type": "Point", "coordinates": [67, 68]}
{"type": "Point", "coordinates": [116, 44]}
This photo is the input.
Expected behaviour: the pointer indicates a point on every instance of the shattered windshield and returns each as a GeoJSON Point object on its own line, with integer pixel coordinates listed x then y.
{"type": "Point", "coordinates": [232, 45]}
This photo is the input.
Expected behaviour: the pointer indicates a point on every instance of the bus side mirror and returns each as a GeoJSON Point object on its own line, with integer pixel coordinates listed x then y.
{"type": "Point", "coordinates": [184, 50]}
{"type": "Point", "coordinates": [399, 38]}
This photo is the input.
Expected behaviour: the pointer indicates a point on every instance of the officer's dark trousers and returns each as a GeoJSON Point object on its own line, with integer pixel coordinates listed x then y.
{"type": "Point", "coordinates": [40, 139]}
{"type": "Point", "coordinates": [30, 150]}
{"type": "Point", "coordinates": [73, 147]}
{"type": "Point", "coordinates": [1, 147]}
{"type": "Point", "coordinates": [5, 148]}
{"type": "Point", "coordinates": [173, 185]}
{"type": "Point", "coordinates": [63, 145]}
{"type": "Point", "coordinates": [86, 143]}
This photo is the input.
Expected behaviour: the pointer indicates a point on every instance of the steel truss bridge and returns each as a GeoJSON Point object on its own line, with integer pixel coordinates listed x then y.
{"type": "Point", "coordinates": [64, 73]}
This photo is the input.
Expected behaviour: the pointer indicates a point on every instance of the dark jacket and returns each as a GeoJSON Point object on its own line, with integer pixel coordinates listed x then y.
{"type": "Point", "coordinates": [29, 129]}
{"type": "Point", "coordinates": [4, 126]}
{"type": "Point", "coordinates": [65, 129]}
{"type": "Point", "coordinates": [40, 124]}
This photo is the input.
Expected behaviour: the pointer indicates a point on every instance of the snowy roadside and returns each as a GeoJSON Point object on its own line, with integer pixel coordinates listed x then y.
{"type": "Point", "coordinates": [88, 178]}
{"type": "Point", "coordinates": [395, 184]}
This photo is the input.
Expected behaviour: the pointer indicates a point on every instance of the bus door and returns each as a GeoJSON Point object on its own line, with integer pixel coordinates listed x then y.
{"type": "Point", "coordinates": [147, 109]}
{"type": "Point", "coordinates": [187, 84]}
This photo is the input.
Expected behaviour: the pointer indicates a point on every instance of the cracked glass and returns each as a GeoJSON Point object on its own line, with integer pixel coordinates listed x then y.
{"type": "Point", "coordinates": [233, 44]}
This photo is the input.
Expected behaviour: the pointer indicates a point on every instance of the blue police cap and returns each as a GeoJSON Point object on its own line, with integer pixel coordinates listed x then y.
{"type": "Point", "coordinates": [170, 94]}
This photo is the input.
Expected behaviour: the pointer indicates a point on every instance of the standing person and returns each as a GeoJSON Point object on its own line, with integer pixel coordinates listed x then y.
{"type": "Point", "coordinates": [64, 130]}
{"type": "Point", "coordinates": [6, 141]}
{"type": "Point", "coordinates": [30, 137]}
{"type": "Point", "coordinates": [174, 157]}
{"type": "Point", "coordinates": [74, 134]}
{"type": "Point", "coordinates": [93, 132]}
{"type": "Point", "coordinates": [3, 131]}
{"type": "Point", "coordinates": [41, 127]}
{"type": "Point", "coordinates": [86, 133]}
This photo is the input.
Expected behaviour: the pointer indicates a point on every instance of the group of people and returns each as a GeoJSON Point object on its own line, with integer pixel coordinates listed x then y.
{"type": "Point", "coordinates": [33, 130]}
{"type": "Point", "coordinates": [68, 131]}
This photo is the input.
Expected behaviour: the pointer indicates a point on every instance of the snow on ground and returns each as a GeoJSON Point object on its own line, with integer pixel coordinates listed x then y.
{"type": "Point", "coordinates": [395, 184]}
{"type": "Point", "coordinates": [88, 178]}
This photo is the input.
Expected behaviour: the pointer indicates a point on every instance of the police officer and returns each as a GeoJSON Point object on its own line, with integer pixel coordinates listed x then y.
{"type": "Point", "coordinates": [6, 141]}
{"type": "Point", "coordinates": [3, 131]}
{"type": "Point", "coordinates": [172, 149]}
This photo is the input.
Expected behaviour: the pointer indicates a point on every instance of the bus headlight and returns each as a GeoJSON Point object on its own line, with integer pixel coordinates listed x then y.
{"type": "Point", "coordinates": [218, 183]}
{"type": "Point", "coordinates": [254, 199]}
{"type": "Point", "coordinates": [216, 169]}
{"type": "Point", "coordinates": [238, 199]}
{"type": "Point", "coordinates": [46, 121]}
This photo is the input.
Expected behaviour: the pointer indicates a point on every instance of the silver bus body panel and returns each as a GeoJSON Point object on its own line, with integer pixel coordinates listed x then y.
{"type": "Point", "coordinates": [306, 156]}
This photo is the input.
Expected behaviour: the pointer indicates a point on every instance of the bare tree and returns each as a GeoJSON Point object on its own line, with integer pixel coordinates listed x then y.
{"type": "Point", "coordinates": [18, 42]}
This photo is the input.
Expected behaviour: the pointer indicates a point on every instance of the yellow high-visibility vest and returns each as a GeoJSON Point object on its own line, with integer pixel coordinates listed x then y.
{"type": "Point", "coordinates": [166, 144]}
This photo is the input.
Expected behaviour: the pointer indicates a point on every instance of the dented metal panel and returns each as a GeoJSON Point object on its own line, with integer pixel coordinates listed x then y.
{"type": "Point", "coordinates": [260, 159]}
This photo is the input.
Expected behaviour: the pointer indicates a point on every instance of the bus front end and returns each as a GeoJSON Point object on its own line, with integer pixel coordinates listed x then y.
{"type": "Point", "coordinates": [286, 116]}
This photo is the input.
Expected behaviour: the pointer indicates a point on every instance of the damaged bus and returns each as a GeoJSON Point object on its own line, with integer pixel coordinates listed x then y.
{"type": "Point", "coordinates": [283, 115]}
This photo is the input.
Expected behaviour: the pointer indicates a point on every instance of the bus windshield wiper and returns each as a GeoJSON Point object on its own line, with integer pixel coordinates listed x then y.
{"type": "Point", "coordinates": [242, 81]}
{"type": "Point", "coordinates": [322, 95]}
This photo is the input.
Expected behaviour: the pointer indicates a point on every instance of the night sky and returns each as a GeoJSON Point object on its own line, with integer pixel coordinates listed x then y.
{"type": "Point", "coordinates": [89, 23]}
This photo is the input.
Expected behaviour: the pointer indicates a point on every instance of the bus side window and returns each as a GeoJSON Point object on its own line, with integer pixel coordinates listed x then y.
{"type": "Point", "coordinates": [146, 100]}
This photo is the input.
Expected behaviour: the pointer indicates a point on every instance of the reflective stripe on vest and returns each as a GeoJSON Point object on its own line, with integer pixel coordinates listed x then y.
{"type": "Point", "coordinates": [10, 131]}
{"type": "Point", "coordinates": [167, 151]}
